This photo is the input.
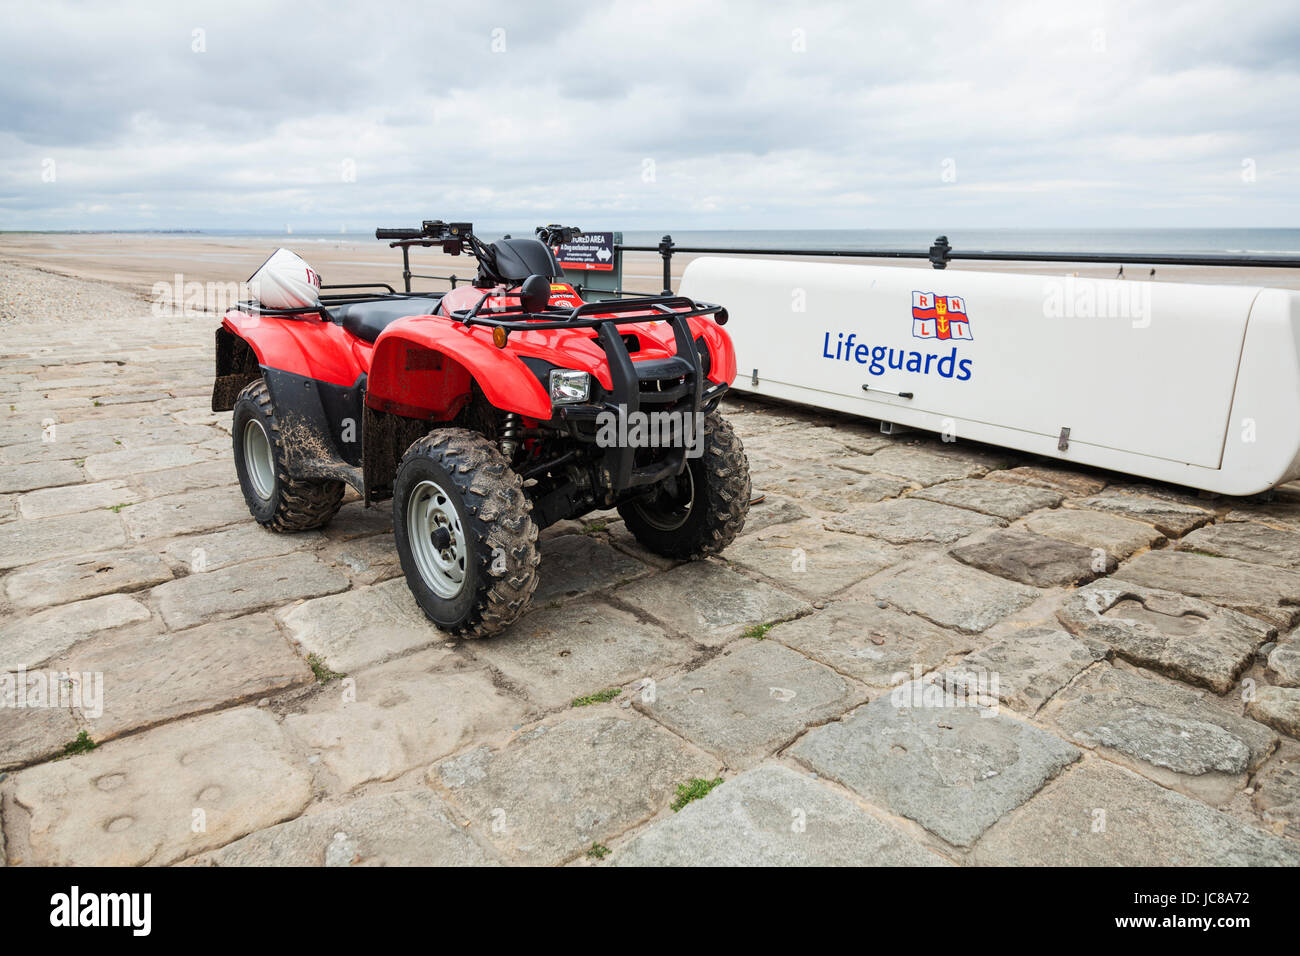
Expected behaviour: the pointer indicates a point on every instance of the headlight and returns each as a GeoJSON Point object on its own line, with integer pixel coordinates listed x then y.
{"type": "Point", "coordinates": [568, 387]}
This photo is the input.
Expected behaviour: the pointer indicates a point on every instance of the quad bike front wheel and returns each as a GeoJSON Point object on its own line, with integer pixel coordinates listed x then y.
{"type": "Point", "coordinates": [464, 532]}
{"type": "Point", "coordinates": [700, 511]}
{"type": "Point", "coordinates": [276, 499]}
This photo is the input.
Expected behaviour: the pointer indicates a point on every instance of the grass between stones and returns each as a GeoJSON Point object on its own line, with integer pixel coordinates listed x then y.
{"type": "Point", "coordinates": [600, 697]}
{"type": "Point", "coordinates": [81, 745]}
{"type": "Point", "coordinates": [318, 667]}
{"type": "Point", "coordinates": [598, 851]}
{"type": "Point", "coordinates": [695, 790]}
{"type": "Point", "coordinates": [758, 631]}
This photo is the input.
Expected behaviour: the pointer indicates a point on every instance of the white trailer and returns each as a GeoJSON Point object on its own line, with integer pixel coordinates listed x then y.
{"type": "Point", "coordinates": [1193, 384]}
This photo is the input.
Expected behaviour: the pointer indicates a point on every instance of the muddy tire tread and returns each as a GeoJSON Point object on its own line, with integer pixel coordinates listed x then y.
{"type": "Point", "coordinates": [302, 504]}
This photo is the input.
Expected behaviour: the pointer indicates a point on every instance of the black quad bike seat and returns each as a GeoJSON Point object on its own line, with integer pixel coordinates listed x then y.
{"type": "Point", "coordinates": [366, 320]}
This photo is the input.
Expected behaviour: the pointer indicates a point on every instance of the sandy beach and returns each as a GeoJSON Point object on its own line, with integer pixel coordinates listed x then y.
{"type": "Point", "coordinates": [137, 262]}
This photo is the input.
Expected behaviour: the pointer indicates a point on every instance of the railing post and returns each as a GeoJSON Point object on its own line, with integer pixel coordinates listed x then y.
{"type": "Point", "coordinates": [666, 250]}
{"type": "Point", "coordinates": [939, 253]}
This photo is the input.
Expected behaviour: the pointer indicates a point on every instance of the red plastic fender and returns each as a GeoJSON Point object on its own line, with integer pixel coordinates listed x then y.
{"type": "Point", "coordinates": [422, 367]}
{"type": "Point", "coordinates": [722, 352]}
{"type": "Point", "coordinates": [308, 346]}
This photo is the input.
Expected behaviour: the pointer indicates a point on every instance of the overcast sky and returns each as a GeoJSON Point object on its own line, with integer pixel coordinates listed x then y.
{"type": "Point", "coordinates": [649, 115]}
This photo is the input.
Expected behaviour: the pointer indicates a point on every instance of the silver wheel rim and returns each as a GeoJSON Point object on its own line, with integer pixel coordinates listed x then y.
{"type": "Point", "coordinates": [258, 460]}
{"type": "Point", "coordinates": [670, 521]}
{"type": "Point", "coordinates": [429, 510]}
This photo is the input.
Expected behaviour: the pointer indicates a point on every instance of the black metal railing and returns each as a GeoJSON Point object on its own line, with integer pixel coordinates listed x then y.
{"type": "Point", "coordinates": [941, 253]}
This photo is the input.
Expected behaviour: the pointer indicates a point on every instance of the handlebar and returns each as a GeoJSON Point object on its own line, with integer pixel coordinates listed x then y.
{"type": "Point", "coordinates": [398, 233]}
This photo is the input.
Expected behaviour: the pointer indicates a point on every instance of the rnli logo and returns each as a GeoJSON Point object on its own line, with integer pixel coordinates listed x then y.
{"type": "Point", "coordinates": [939, 317]}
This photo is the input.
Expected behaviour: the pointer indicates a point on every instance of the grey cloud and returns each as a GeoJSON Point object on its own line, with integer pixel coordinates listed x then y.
{"type": "Point", "coordinates": [832, 114]}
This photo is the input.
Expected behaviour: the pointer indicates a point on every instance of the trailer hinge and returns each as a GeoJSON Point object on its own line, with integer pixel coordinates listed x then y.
{"type": "Point", "coordinates": [1063, 442]}
{"type": "Point", "coordinates": [754, 378]}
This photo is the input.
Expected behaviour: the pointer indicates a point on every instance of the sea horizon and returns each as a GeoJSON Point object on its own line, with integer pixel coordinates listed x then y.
{"type": "Point", "coordinates": [1204, 240]}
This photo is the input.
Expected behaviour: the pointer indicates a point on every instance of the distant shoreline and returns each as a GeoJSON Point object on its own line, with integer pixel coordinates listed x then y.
{"type": "Point", "coordinates": [1279, 241]}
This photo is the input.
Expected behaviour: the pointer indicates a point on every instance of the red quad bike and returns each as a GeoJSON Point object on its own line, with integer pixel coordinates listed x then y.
{"type": "Point", "coordinates": [484, 413]}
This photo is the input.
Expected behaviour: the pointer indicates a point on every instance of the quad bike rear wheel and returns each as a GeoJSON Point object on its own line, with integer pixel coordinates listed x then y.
{"type": "Point", "coordinates": [277, 500]}
{"type": "Point", "coordinates": [464, 532]}
{"type": "Point", "coordinates": [700, 511]}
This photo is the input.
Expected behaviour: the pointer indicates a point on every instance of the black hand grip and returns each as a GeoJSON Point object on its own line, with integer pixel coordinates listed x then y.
{"type": "Point", "coordinates": [398, 234]}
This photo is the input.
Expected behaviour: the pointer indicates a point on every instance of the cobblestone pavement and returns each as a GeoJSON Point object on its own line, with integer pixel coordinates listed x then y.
{"type": "Point", "coordinates": [1133, 647]}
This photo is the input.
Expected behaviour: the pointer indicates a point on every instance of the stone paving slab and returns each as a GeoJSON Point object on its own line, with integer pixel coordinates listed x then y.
{"type": "Point", "coordinates": [186, 514]}
{"type": "Point", "coordinates": [29, 542]}
{"type": "Point", "coordinates": [1168, 517]}
{"type": "Point", "coordinates": [404, 828]}
{"type": "Point", "coordinates": [122, 464]}
{"type": "Point", "coordinates": [575, 564]}
{"type": "Point", "coordinates": [175, 481]}
{"type": "Point", "coordinates": [29, 734]}
{"type": "Point", "coordinates": [1032, 558]}
{"type": "Point", "coordinates": [1183, 637]}
{"type": "Point", "coordinates": [82, 577]}
{"type": "Point", "coordinates": [1284, 514]}
{"type": "Point", "coordinates": [1258, 544]}
{"type": "Point", "coordinates": [556, 789]}
{"type": "Point", "coordinates": [153, 678]}
{"type": "Point", "coordinates": [879, 646]}
{"type": "Point", "coordinates": [361, 626]}
{"type": "Point", "coordinates": [750, 702]}
{"type": "Point", "coordinates": [71, 499]}
{"type": "Point", "coordinates": [364, 560]}
{"type": "Point", "coordinates": [1114, 536]}
{"type": "Point", "coordinates": [860, 491]}
{"type": "Point", "coordinates": [1278, 707]}
{"type": "Point", "coordinates": [803, 557]}
{"type": "Point", "coordinates": [143, 799]}
{"type": "Point", "coordinates": [199, 553]}
{"type": "Point", "coordinates": [798, 477]}
{"type": "Point", "coordinates": [1284, 664]}
{"type": "Point", "coordinates": [43, 474]}
{"type": "Point", "coordinates": [919, 464]}
{"type": "Point", "coordinates": [772, 510]}
{"type": "Point", "coordinates": [796, 443]}
{"type": "Point", "coordinates": [999, 499]}
{"type": "Point", "coordinates": [1098, 814]}
{"type": "Point", "coordinates": [395, 717]}
{"type": "Point", "coordinates": [1277, 794]}
{"type": "Point", "coordinates": [1163, 730]}
{"type": "Point", "coordinates": [1272, 594]}
{"type": "Point", "coordinates": [911, 520]}
{"type": "Point", "coordinates": [773, 816]}
{"type": "Point", "coordinates": [554, 655]}
{"type": "Point", "coordinates": [28, 640]}
{"type": "Point", "coordinates": [355, 521]}
{"type": "Point", "coordinates": [1072, 484]}
{"type": "Point", "coordinates": [948, 593]}
{"type": "Point", "coordinates": [954, 770]}
{"type": "Point", "coordinates": [240, 588]}
{"type": "Point", "coordinates": [1024, 669]}
{"type": "Point", "coordinates": [711, 603]}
